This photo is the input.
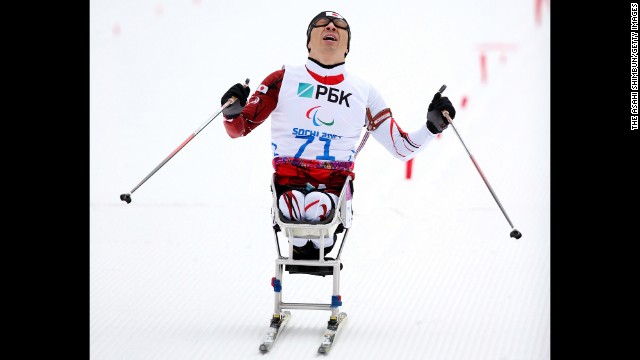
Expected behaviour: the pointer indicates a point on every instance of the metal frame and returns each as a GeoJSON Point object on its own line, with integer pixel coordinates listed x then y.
{"type": "Point", "coordinates": [342, 215]}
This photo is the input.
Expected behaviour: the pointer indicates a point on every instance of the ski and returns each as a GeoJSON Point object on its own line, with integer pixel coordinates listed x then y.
{"type": "Point", "coordinates": [278, 322]}
{"type": "Point", "coordinates": [330, 334]}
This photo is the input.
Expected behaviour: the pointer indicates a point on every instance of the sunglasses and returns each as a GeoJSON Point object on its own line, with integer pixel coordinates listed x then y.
{"type": "Point", "coordinates": [324, 21]}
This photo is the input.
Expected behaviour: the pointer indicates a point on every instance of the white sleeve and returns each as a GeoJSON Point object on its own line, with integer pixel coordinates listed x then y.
{"type": "Point", "coordinates": [386, 131]}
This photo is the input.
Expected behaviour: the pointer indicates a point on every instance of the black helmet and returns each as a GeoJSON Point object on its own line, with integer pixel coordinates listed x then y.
{"type": "Point", "coordinates": [331, 15]}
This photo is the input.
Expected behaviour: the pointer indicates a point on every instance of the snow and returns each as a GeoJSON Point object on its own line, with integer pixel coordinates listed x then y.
{"type": "Point", "coordinates": [430, 272]}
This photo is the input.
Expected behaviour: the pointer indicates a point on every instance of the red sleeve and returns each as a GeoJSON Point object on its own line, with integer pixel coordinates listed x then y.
{"type": "Point", "coordinates": [258, 108]}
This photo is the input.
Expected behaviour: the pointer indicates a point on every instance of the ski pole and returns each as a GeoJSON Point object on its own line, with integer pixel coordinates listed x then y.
{"type": "Point", "coordinates": [127, 197]}
{"type": "Point", "coordinates": [514, 232]}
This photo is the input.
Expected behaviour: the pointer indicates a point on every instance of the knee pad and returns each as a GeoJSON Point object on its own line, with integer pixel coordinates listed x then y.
{"type": "Point", "coordinates": [291, 203]}
{"type": "Point", "coordinates": [318, 205]}
{"type": "Point", "coordinates": [328, 243]}
{"type": "Point", "coordinates": [299, 242]}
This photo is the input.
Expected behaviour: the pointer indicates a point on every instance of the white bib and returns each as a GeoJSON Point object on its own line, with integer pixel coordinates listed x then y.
{"type": "Point", "coordinates": [317, 120]}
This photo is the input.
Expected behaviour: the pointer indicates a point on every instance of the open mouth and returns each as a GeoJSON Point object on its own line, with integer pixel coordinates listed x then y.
{"type": "Point", "coordinates": [330, 37]}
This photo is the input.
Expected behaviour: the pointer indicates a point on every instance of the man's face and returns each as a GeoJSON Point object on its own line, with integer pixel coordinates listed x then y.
{"type": "Point", "coordinates": [329, 39]}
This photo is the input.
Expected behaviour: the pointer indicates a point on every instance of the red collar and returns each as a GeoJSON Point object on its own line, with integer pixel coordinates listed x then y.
{"type": "Point", "coordinates": [326, 80]}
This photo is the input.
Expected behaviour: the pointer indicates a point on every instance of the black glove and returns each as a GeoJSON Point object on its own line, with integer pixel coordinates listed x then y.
{"type": "Point", "coordinates": [436, 123]}
{"type": "Point", "coordinates": [240, 92]}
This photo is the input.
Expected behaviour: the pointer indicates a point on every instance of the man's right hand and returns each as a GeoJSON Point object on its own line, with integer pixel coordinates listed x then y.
{"type": "Point", "coordinates": [241, 92]}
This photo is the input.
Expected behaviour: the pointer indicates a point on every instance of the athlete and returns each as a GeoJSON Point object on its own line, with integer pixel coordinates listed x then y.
{"type": "Point", "coordinates": [318, 112]}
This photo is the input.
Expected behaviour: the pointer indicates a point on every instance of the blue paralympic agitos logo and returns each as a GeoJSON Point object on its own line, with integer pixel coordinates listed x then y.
{"type": "Point", "coordinates": [313, 115]}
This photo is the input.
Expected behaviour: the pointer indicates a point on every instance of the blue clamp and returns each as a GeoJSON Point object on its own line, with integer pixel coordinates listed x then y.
{"type": "Point", "coordinates": [336, 300]}
{"type": "Point", "coordinates": [277, 285]}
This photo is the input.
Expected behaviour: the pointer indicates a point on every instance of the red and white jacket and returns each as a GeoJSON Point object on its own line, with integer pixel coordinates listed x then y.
{"type": "Point", "coordinates": [318, 114]}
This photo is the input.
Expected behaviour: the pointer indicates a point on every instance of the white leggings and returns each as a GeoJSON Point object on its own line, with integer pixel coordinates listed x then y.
{"type": "Point", "coordinates": [312, 207]}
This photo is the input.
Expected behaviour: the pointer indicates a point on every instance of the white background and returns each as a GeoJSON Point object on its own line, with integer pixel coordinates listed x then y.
{"type": "Point", "coordinates": [430, 272]}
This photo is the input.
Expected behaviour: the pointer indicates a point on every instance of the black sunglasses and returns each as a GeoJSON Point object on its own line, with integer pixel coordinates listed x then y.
{"type": "Point", "coordinates": [325, 20]}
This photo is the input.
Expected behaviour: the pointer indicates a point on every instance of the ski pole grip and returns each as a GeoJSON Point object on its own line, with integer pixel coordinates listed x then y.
{"type": "Point", "coordinates": [233, 98]}
{"type": "Point", "coordinates": [445, 113]}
